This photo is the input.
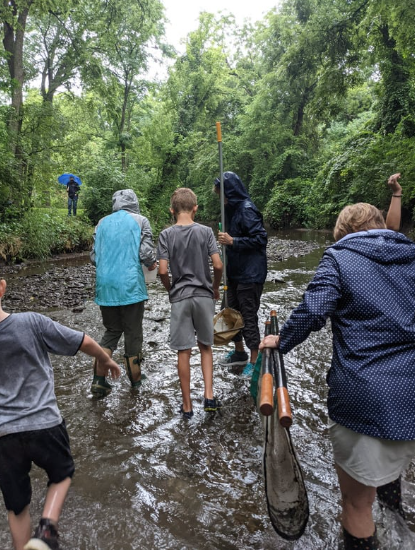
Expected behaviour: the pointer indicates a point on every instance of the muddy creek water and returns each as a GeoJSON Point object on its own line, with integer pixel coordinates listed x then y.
{"type": "Point", "coordinates": [147, 479]}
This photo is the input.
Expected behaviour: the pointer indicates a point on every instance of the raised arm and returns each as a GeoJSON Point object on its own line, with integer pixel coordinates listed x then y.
{"type": "Point", "coordinates": [393, 218]}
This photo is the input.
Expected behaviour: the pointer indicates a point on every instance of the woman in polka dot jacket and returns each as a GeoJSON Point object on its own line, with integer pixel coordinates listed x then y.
{"type": "Point", "coordinates": [365, 283]}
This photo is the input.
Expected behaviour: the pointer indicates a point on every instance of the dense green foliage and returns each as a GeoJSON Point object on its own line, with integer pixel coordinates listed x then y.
{"type": "Point", "coordinates": [316, 102]}
{"type": "Point", "coordinates": [42, 233]}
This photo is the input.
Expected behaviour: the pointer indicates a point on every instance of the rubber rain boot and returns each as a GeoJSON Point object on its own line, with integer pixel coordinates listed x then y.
{"type": "Point", "coordinates": [100, 386]}
{"type": "Point", "coordinates": [351, 542]}
{"type": "Point", "coordinates": [390, 496]}
{"type": "Point", "coordinates": [133, 368]}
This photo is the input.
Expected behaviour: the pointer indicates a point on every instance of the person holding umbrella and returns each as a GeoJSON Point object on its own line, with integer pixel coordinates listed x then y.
{"type": "Point", "coordinates": [72, 184]}
{"type": "Point", "coordinates": [72, 188]}
{"type": "Point", "coordinates": [246, 267]}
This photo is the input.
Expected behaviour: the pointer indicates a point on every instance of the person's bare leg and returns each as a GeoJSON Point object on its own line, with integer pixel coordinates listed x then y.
{"type": "Point", "coordinates": [254, 356]}
{"type": "Point", "coordinates": [183, 368]}
{"type": "Point", "coordinates": [357, 502]}
{"type": "Point", "coordinates": [239, 346]}
{"type": "Point", "coordinates": [206, 359]}
{"type": "Point", "coordinates": [55, 499]}
{"type": "Point", "coordinates": [20, 528]}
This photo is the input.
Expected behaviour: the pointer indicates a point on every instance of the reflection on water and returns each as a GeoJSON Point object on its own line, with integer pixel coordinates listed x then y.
{"type": "Point", "coordinates": [147, 479]}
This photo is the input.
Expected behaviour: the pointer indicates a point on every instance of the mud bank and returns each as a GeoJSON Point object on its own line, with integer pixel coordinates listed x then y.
{"type": "Point", "coordinates": [68, 281]}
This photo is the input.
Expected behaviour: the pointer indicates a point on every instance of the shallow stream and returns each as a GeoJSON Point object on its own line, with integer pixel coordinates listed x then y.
{"type": "Point", "coordinates": [147, 479]}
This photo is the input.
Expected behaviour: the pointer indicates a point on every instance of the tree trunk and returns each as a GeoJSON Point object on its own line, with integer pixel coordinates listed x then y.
{"type": "Point", "coordinates": [397, 101]}
{"type": "Point", "coordinates": [13, 45]}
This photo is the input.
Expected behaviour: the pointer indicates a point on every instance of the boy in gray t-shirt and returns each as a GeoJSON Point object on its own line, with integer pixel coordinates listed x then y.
{"type": "Point", "coordinates": [186, 248]}
{"type": "Point", "coordinates": [32, 429]}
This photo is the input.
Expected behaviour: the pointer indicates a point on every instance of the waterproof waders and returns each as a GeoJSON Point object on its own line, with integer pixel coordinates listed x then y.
{"type": "Point", "coordinates": [100, 386]}
{"type": "Point", "coordinates": [133, 368]}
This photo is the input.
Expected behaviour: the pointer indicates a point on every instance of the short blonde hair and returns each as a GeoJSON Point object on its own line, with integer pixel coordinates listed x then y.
{"type": "Point", "coordinates": [358, 217]}
{"type": "Point", "coordinates": [183, 200]}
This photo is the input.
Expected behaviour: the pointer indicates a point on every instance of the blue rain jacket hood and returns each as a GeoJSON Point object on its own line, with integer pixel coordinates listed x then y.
{"type": "Point", "coordinates": [246, 258]}
{"type": "Point", "coordinates": [365, 283]}
{"type": "Point", "coordinates": [122, 241]}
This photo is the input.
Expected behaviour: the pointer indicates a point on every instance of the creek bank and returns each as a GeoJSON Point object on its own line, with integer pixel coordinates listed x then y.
{"type": "Point", "coordinates": [68, 281]}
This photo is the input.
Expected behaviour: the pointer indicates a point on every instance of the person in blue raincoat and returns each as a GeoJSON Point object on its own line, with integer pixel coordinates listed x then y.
{"type": "Point", "coordinates": [246, 268]}
{"type": "Point", "coordinates": [365, 283]}
{"type": "Point", "coordinates": [122, 242]}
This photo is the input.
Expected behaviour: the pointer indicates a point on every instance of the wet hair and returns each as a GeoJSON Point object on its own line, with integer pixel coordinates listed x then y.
{"type": "Point", "coordinates": [358, 217]}
{"type": "Point", "coordinates": [183, 200]}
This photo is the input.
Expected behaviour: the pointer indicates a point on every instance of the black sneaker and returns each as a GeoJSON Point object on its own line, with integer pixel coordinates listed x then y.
{"type": "Point", "coordinates": [45, 537]}
{"type": "Point", "coordinates": [186, 414]}
{"type": "Point", "coordinates": [212, 405]}
{"type": "Point", "coordinates": [234, 359]}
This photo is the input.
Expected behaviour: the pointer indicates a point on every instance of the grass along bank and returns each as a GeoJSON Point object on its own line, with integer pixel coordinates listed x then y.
{"type": "Point", "coordinates": [42, 233]}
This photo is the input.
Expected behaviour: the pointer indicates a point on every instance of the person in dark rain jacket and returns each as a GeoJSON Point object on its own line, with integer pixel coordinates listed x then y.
{"type": "Point", "coordinates": [246, 244]}
{"type": "Point", "coordinates": [365, 283]}
{"type": "Point", "coordinates": [72, 188]}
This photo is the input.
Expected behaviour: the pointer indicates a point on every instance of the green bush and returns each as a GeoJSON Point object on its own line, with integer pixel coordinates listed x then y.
{"type": "Point", "coordinates": [288, 204]}
{"type": "Point", "coordinates": [10, 242]}
{"type": "Point", "coordinates": [43, 233]}
{"type": "Point", "coordinates": [103, 181]}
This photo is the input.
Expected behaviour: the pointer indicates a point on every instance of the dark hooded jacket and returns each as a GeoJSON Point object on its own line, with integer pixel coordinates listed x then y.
{"type": "Point", "coordinates": [366, 284]}
{"type": "Point", "coordinates": [246, 258]}
{"type": "Point", "coordinates": [73, 189]}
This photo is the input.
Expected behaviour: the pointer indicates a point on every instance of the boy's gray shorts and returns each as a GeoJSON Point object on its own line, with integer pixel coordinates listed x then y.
{"type": "Point", "coordinates": [190, 316]}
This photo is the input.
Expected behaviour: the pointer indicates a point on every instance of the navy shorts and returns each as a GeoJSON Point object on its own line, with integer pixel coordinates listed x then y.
{"type": "Point", "coordinates": [49, 449]}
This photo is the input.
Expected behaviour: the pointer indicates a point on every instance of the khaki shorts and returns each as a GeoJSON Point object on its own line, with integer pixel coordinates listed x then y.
{"type": "Point", "coordinates": [190, 317]}
{"type": "Point", "coordinates": [369, 460]}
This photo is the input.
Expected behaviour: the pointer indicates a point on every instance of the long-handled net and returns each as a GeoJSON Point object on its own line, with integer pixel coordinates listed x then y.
{"type": "Point", "coordinates": [228, 322]}
{"type": "Point", "coordinates": [285, 489]}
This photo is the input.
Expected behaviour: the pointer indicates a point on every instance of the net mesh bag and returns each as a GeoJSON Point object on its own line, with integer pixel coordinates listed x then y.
{"type": "Point", "coordinates": [226, 324]}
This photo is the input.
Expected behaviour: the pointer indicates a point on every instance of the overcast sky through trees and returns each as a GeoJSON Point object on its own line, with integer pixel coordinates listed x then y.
{"type": "Point", "coordinates": [183, 18]}
{"type": "Point", "coordinates": [183, 15]}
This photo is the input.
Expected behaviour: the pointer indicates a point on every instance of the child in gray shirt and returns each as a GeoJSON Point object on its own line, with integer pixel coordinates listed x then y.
{"type": "Point", "coordinates": [32, 429]}
{"type": "Point", "coordinates": [186, 248]}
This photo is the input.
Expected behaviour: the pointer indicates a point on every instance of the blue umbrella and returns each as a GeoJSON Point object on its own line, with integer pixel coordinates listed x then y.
{"type": "Point", "coordinates": [64, 179]}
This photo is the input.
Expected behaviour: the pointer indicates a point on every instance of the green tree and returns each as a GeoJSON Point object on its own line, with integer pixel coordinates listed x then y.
{"type": "Point", "coordinates": [14, 15]}
{"type": "Point", "coordinates": [126, 31]}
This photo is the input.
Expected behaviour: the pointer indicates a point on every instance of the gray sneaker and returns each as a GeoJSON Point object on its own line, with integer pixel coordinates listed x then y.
{"type": "Point", "coordinates": [234, 359]}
